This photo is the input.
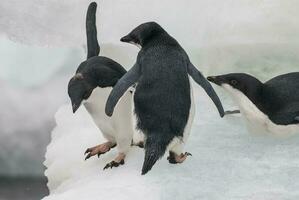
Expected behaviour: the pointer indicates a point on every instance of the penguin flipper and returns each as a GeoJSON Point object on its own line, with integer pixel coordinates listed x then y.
{"type": "Point", "coordinates": [202, 81]}
{"type": "Point", "coordinates": [93, 48]}
{"type": "Point", "coordinates": [120, 88]}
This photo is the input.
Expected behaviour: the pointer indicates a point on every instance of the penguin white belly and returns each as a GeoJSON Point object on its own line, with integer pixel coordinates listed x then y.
{"type": "Point", "coordinates": [117, 127]}
{"type": "Point", "coordinates": [191, 116]}
{"type": "Point", "coordinates": [95, 105]}
{"type": "Point", "coordinates": [256, 120]}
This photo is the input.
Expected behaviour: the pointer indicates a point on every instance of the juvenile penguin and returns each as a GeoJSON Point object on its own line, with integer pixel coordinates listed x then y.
{"type": "Point", "coordinates": [270, 107]}
{"type": "Point", "coordinates": [163, 97]}
{"type": "Point", "coordinates": [92, 84]}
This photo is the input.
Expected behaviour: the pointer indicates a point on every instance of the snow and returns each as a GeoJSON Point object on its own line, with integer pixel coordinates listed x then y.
{"type": "Point", "coordinates": [227, 162]}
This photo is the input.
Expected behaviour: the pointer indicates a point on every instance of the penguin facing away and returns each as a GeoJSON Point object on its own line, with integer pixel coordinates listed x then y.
{"type": "Point", "coordinates": [270, 107]}
{"type": "Point", "coordinates": [92, 84]}
{"type": "Point", "coordinates": [163, 98]}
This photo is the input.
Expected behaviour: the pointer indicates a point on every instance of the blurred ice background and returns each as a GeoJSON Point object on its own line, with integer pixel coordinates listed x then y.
{"type": "Point", "coordinates": [43, 41]}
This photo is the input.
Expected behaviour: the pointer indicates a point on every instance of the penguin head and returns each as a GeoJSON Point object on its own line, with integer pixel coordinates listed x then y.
{"type": "Point", "coordinates": [241, 82]}
{"type": "Point", "coordinates": [143, 33]}
{"type": "Point", "coordinates": [79, 89]}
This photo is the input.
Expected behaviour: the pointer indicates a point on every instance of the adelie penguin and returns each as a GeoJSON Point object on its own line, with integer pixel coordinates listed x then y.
{"type": "Point", "coordinates": [92, 84]}
{"type": "Point", "coordinates": [270, 107]}
{"type": "Point", "coordinates": [163, 99]}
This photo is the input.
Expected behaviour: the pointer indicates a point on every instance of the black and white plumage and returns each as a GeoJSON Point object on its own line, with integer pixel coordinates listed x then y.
{"type": "Point", "coordinates": [163, 100]}
{"type": "Point", "coordinates": [270, 107]}
{"type": "Point", "coordinates": [92, 85]}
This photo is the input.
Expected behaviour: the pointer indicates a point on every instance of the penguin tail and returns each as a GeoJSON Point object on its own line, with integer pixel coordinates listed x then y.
{"type": "Point", "coordinates": [93, 48]}
{"type": "Point", "coordinates": [155, 148]}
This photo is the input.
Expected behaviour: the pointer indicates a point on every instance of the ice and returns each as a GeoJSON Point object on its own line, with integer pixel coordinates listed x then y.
{"type": "Point", "coordinates": [227, 162]}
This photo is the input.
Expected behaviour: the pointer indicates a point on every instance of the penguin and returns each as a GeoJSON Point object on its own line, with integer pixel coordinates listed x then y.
{"type": "Point", "coordinates": [268, 108]}
{"type": "Point", "coordinates": [91, 86]}
{"type": "Point", "coordinates": [163, 100]}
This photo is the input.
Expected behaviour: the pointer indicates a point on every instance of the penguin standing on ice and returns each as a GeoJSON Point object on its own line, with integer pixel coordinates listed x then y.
{"type": "Point", "coordinates": [270, 107]}
{"type": "Point", "coordinates": [163, 98]}
{"type": "Point", "coordinates": [92, 84]}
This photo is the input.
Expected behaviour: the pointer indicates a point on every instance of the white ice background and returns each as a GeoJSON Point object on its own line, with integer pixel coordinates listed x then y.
{"type": "Point", "coordinates": [227, 163]}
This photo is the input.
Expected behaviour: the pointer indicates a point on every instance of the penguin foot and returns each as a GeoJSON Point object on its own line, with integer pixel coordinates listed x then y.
{"type": "Point", "coordinates": [173, 158]}
{"type": "Point", "coordinates": [139, 144]}
{"type": "Point", "coordinates": [119, 160]}
{"type": "Point", "coordinates": [99, 149]}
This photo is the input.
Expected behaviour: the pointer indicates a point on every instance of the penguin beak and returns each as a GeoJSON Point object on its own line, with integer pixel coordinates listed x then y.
{"type": "Point", "coordinates": [218, 80]}
{"type": "Point", "coordinates": [126, 39]}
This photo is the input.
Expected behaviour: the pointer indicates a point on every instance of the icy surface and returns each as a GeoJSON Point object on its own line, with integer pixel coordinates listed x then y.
{"type": "Point", "coordinates": [227, 163]}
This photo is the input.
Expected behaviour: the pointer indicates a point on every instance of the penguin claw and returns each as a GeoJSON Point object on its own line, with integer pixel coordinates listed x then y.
{"type": "Point", "coordinates": [87, 151]}
{"type": "Point", "coordinates": [114, 164]}
{"type": "Point", "coordinates": [88, 156]}
{"type": "Point", "coordinates": [188, 154]}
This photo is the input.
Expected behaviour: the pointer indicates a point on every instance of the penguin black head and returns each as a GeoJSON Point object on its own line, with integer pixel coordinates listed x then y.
{"type": "Point", "coordinates": [143, 33]}
{"type": "Point", "coordinates": [79, 89]}
{"type": "Point", "coordinates": [242, 82]}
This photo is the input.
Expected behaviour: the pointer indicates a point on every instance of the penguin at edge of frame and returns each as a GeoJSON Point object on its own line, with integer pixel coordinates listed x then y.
{"type": "Point", "coordinates": [268, 108]}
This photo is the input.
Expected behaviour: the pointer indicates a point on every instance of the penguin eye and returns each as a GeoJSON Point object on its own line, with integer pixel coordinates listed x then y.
{"type": "Point", "coordinates": [233, 82]}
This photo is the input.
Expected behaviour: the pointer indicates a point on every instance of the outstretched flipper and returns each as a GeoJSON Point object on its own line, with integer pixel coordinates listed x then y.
{"type": "Point", "coordinates": [93, 48]}
{"type": "Point", "coordinates": [202, 81]}
{"type": "Point", "coordinates": [121, 87]}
